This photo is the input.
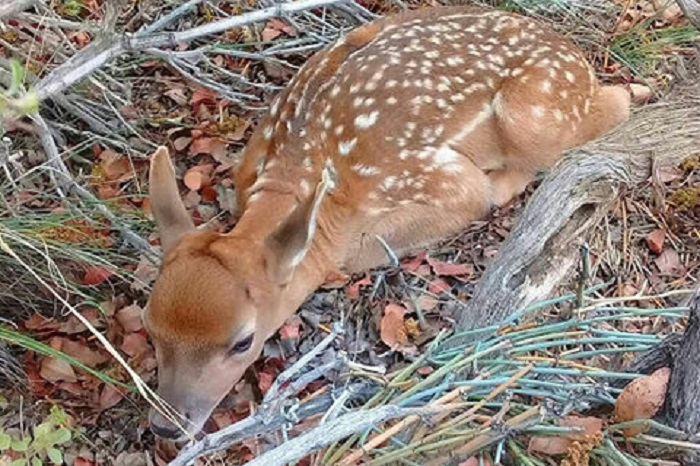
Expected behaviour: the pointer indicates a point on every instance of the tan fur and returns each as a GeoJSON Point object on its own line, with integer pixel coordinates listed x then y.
{"type": "Point", "coordinates": [421, 122]}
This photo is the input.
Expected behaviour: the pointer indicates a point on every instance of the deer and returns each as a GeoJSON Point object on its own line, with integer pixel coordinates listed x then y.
{"type": "Point", "coordinates": [402, 131]}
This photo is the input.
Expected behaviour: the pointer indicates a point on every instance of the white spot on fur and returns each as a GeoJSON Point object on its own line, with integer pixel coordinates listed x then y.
{"type": "Point", "coordinates": [345, 147]}
{"type": "Point", "coordinates": [367, 120]}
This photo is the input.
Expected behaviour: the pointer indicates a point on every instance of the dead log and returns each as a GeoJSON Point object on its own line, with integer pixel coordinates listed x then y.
{"type": "Point", "coordinates": [542, 249]}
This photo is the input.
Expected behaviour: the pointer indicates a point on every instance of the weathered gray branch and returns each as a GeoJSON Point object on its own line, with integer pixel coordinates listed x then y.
{"type": "Point", "coordinates": [102, 52]}
{"type": "Point", "coordinates": [542, 249]}
{"type": "Point", "coordinates": [262, 422]}
{"type": "Point", "coordinates": [691, 9]}
{"type": "Point", "coordinates": [12, 7]}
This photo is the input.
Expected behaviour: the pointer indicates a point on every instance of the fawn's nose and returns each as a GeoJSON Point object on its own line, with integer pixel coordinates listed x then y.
{"type": "Point", "coordinates": [164, 429]}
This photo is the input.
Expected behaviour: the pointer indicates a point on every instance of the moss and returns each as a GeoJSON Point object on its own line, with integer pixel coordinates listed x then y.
{"type": "Point", "coordinates": [686, 198]}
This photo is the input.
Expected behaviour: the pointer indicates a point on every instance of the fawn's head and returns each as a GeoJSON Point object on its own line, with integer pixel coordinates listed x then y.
{"type": "Point", "coordinates": [217, 299]}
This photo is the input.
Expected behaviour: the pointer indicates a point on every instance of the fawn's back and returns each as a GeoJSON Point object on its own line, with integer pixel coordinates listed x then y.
{"type": "Point", "coordinates": [403, 131]}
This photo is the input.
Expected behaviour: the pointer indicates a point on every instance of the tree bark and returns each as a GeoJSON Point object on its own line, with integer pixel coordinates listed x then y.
{"type": "Point", "coordinates": [683, 397]}
{"type": "Point", "coordinates": [542, 249]}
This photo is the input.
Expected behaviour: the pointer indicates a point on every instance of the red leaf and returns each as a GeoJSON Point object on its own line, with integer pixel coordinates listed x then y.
{"type": "Point", "coordinates": [411, 265]}
{"type": "Point", "coordinates": [96, 274]}
{"type": "Point", "coordinates": [290, 329]}
{"type": "Point", "coordinates": [110, 396]}
{"type": "Point", "coordinates": [392, 328]}
{"type": "Point", "coordinates": [446, 269]}
{"type": "Point", "coordinates": [134, 344]}
{"type": "Point", "coordinates": [129, 318]}
{"type": "Point", "coordinates": [353, 290]}
{"type": "Point", "coordinates": [80, 351]}
{"type": "Point", "coordinates": [438, 285]}
{"type": "Point", "coordinates": [195, 179]}
{"type": "Point", "coordinates": [202, 97]}
{"type": "Point", "coordinates": [80, 461]}
{"type": "Point", "coordinates": [655, 241]}
{"type": "Point", "coordinates": [56, 370]}
{"type": "Point", "coordinates": [669, 263]}
{"type": "Point", "coordinates": [208, 146]}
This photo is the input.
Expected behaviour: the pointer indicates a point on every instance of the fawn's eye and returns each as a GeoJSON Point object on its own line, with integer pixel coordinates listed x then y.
{"type": "Point", "coordinates": [241, 346]}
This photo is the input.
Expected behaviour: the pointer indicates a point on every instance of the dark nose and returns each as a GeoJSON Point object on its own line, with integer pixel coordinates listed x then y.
{"type": "Point", "coordinates": [167, 431]}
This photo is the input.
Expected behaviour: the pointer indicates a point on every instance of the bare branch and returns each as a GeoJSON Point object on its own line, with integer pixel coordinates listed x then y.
{"type": "Point", "coordinates": [12, 7]}
{"type": "Point", "coordinates": [262, 422]}
{"type": "Point", "coordinates": [540, 251]}
{"type": "Point", "coordinates": [102, 52]}
{"type": "Point", "coordinates": [691, 9]}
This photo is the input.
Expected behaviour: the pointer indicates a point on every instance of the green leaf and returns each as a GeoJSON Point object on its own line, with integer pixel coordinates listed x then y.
{"type": "Point", "coordinates": [17, 77]}
{"type": "Point", "coordinates": [58, 415]}
{"type": "Point", "coordinates": [42, 431]}
{"type": "Point", "coordinates": [55, 455]}
{"type": "Point", "coordinates": [19, 462]}
{"type": "Point", "coordinates": [21, 444]}
{"type": "Point", "coordinates": [36, 461]}
{"type": "Point", "coordinates": [60, 436]}
{"type": "Point", "coordinates": [5, 441]}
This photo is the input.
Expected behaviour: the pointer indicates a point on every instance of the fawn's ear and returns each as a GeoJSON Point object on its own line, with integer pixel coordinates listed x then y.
{"type": "Point", "coordinates": [287, 245]}
{"type": "Point", "coordinates": [169, 212]}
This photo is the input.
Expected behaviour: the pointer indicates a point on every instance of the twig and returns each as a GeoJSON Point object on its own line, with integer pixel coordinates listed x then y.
{"type": "Point", "coordinates": [65, 181]}
{"type": "Point", "coordinates": [303, 361]}
{"type": "Point", "coordinates": [259, 424]}
{"type": "Point", "coordinates": [12, 7]}
{"type": "Point", "coordinates": [333, 431]}
{"type": "Point", "coordinates": [102, 52]}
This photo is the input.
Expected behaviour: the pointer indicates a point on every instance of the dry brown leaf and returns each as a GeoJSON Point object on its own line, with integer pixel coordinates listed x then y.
{"type": "Point", "coordinates": [195, 179]}
{"type": "Point", "coordinates": [134, 344]}
{"type": "Point", "coordinates": [655, 241]}
{"type": "Point", "coordinates": [57, 370]}
{"type": "Point", "coordinates": [549, 445]}
{"type": "Point", "coordinates": [669, 262]}
{"type": "Point", "coordinates": [110, 396]}
{"type": "Point", "coordinates": [641, 399]}
{"type": "Point", "coordinates": [208, 146]}
{"type": "Point", "coordinates": [392, 329]}
{"type": "Point", "coordinates": [80, 351]}
{"type": "Point", "coordinates": [641, 94]}
{"type": "Point", "coordinates": [181, 143]}
{"type": "Point", "coordinates": [129, 318]}
{"type": "Point", "coordinates": [590, 425]}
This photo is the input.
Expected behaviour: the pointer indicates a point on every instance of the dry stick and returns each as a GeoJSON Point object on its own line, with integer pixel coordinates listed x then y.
{"type": "Point", "coordinates": [691, 9]}
{"type": "Point", "coordinates": [102, 52]}
{"type": "Point", "coordinates": [65, 181]}
{"type": "Point", "coordinates": [542, 248]}
{"type": "Point", "coordinates": [12, 7]}
{"type": "Point", "coordinates": [399, 427]}
{"type": "Point", "coordinates": [335, 430]}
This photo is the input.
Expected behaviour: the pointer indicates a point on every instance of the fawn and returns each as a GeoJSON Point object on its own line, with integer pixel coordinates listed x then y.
{"type": "Point", "coordinates": [407, 128]}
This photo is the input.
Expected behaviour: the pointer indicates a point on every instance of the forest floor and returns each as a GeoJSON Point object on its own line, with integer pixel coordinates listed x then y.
{"type": "Point", "coordinates": [62, 252]}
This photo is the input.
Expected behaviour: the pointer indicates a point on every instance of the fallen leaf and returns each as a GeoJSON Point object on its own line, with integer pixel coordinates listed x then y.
{"type": "Point", "coordinates": [80, 351]}
{"type": "Point", "coordinates": [270, 33]}
{"type": "Point", "coordinates": [353, 290]}
{"type": "Point", "coordinates": [96, 274]}
{"type": "Point", "coordinates": [669, 262]}
{"type": "Point", "coordinates": [134, 344]}
{"type": "Point", "coordinates": [411, 265]}
{"type": "Point", "coordinates": [641, 399]}
{"type": "Point", "coordinates": [129, 318]}
{"type": "Point", "coordinates": [181, 144]}
{"type": "Point", "coordinates": [475, 461]}
{"type": "Point", "coordinates": [73, 325]}
{"type": "Point", "coordinates": [208, 146]}
{"type": "Point", "coordinates": [115, 167]}
{"type": "Point", "coordinates": [392, 328]}
{"type": "Point", "coordinates": [668, 173]}
{"type": "Point", "coordinates": [590, 425]}
{"type": "Point", "coordinates": [447, 269]}
{"type": "Point", "coordinates": [56, 370]}
{"type": "Point", "coordinates": [438, 285]}
{"type": "Point", "coordinates": [195, 179]}
{"type": "Point", "coordinates": [202, 96]}
{"type": "Point", "coordinates": [549, 445]}
{"type": "Point", "coordinates": [641, 94]}
{"type": "Point", "coordinates": [290, 329]}
{"type": "Point", "coordinates": [655, 241]}
{"type": "Point", "coordinates": [110, 396]}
